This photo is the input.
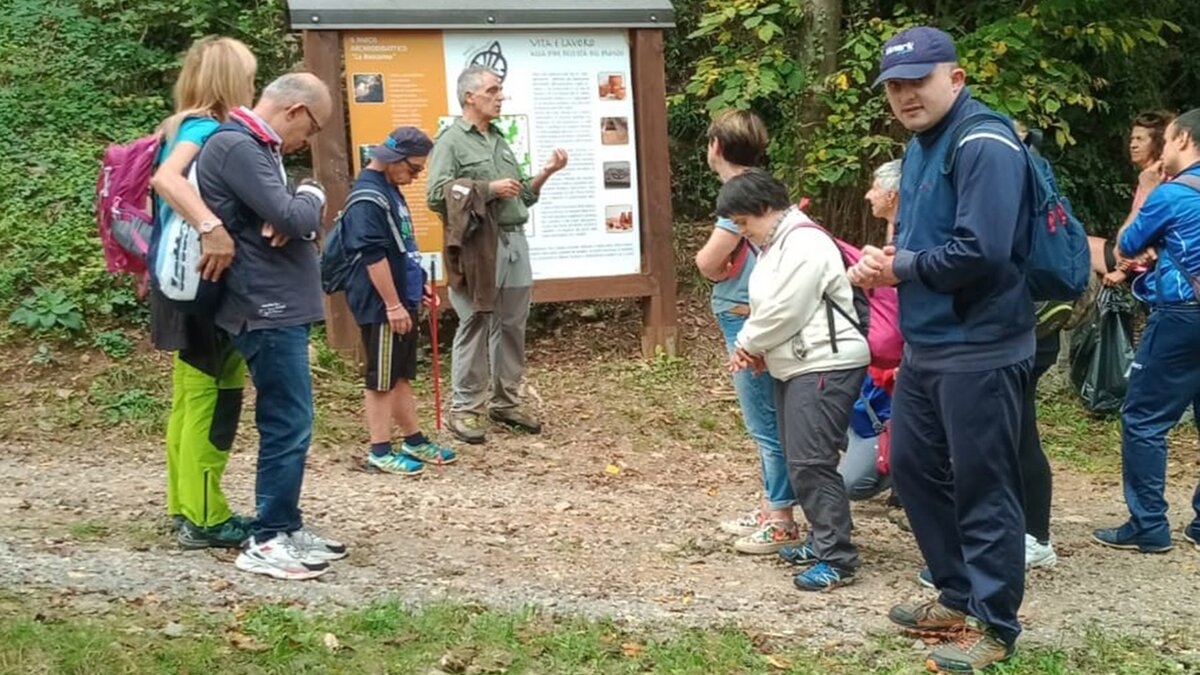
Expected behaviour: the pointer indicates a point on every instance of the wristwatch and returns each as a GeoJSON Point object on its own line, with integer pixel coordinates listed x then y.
{"type": "Point", "coordinates": [207, 226]}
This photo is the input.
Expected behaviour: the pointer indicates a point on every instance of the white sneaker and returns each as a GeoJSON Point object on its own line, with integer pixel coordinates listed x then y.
{"type": "Point", "coordinates": [278, 557]}
{"type": "Point", "coordinates": [744, 526]}
{"type": "Point", "coordinates": [1038, 554]}
{"type": "Point", "coordinates": [315, 548]}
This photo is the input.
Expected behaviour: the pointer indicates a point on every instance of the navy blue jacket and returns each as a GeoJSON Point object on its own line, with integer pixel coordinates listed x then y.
{"type": "Point", "coordinates": [366, 231]}
{"type": "Point", "coordinates": [962, 240]}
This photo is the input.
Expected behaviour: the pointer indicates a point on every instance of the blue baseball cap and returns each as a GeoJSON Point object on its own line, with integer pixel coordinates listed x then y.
{"type": "Point", "coordinates": [402, 143]}
{"type": "Point", "coordinates": [914, 54]}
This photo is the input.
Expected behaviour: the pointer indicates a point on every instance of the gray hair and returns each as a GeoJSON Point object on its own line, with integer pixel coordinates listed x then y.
{"type": "Point", "coordinates": [888, 175]}
{"type": "Point", "coordinates": [471, 79]}
{"type": "Point", "coordinates": [303, 88]}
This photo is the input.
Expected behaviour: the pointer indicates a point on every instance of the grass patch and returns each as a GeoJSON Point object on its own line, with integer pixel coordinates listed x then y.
{"type": "Point", "coordinates": [389, 637]}
{"type": "Point", "coordinates": [89, 530]}
{"type": "Point", "coordinates": [1070, 434]}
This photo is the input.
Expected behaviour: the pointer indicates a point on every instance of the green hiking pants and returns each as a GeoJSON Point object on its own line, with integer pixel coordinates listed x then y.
{"type": "Point", "coordinates": [200, 432]}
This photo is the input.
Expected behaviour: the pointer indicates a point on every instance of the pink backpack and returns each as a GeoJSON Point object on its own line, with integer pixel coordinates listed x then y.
{"type": "Point", "coordinates": [878, 310]}
{"type": "Point", "coordinates": [123, 213]}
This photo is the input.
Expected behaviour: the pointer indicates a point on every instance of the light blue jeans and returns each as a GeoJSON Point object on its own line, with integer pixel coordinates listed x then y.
{"type": "Point", "coordinates": [756, 394]}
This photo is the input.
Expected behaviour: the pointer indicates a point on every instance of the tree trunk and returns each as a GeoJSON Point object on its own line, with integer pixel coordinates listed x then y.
{"type": "Point", "coordinates": [825, 36]}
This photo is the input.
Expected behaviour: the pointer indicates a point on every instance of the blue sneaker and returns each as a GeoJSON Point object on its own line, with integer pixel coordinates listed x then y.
{"type": "Point", "coordinates": [800, 554]}
{"type": "Point", "coordinates": [925, 578]}
{"type": "Point", "coordinates": [429, 452]}
{"type": "Point", "coordinates": [395, 463]}
{"type": "Point", "coordinates": [823, 577]}
{"type": "Point", "coordinates": [1125, 538]}
{"type": "Point", "coordinates": [1192, 534]}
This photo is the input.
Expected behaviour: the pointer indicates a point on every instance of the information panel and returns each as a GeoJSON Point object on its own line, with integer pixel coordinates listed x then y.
{"type": "Point", "coordinates": [564, 89]}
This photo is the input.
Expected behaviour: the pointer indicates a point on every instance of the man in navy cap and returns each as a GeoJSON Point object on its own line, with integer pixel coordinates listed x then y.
{"type": "Point", "coordinates": [968, 322]}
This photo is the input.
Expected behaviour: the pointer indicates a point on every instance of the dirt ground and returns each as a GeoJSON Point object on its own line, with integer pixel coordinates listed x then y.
{"type": "Point", "coordinates": [613, 511]}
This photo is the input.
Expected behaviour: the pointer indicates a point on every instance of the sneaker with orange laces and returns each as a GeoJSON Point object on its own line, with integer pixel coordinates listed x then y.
{"type": "Point", "coordinates": [975, 647]}
{"type": "Point", "coordinates": [772, 536]}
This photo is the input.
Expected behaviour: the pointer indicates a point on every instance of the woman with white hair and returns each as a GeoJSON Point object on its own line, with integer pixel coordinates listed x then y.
{"type": "Point", "coordinates": [884, 195]}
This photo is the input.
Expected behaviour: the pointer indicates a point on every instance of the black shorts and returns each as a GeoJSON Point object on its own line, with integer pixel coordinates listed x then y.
{"type": "Point", "coordinates": [390, 357]}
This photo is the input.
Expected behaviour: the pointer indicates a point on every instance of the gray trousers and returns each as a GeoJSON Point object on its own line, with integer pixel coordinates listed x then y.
{"type": "Point", "coordinates": [496, 337]}
{"type": "Point", "coordinates": [862, 479]}
{"type": "Point", "coordinates": [814, 412]}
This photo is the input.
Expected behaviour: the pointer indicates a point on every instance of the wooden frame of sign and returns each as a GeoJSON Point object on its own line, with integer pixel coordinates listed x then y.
{"type": "Point", "coordinates": [655, 285]}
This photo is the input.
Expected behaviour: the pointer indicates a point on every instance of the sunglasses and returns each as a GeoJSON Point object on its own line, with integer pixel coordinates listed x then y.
{"type": "Point", "coordinates": [414, 169]}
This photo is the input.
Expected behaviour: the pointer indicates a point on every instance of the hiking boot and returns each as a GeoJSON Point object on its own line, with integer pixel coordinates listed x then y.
{"type": "Point", "coordinates": [1192, 534]}
{"type": "Point", "coordinates": [928, 618]}
{"type": "Point", "coordinates": [1126, 538]}
{"type": "Point", "coordinates": [516, 418]}
{"type": "Point", "coordinates": [278, 557]}
{"type": "Point", "coordinates": [230, 534]}
{"type": "Point", "coordinates": [744, 525]}
{"type": "Point", "coordinates": [430, 453]}
{"type": "Point", "coordinates": [823, 577]}
{"type": "Point", "coordinates": [467, 427]}
{"type": "Point", "coordinates": [925, 578]}
{"type": "Point", "coordinates": [772, 536]}
{"type": "Point", "coordinates": [974, 648]}
{"type": "Point", "coordinates": [402, 465]}
{"type": "Point", "coordinates": [313, 547]}
{"type": "Point", "coordinates": [1038, 554]}
{"type": "Point", "coordinates": [800, 554]}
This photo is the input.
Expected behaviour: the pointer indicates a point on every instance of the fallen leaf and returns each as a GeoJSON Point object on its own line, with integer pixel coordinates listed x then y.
{"type": "Point", "coordinates": [712, 491]}
{"type": "Point", "coordinates": [246, 643]}
{"type": "Point", "coordinates": [778, 662]}
{"type": "Point", "coordinates": [331, 642]}
{"type": "Point", "coordinates": [221, 585]}
{"type": "Point", "coordinates": [632, 649]}
{"type": "Point", "coordinates": [612, 469]}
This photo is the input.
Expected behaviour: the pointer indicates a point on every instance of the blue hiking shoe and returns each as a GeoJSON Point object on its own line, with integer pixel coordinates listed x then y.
{"type": "Point", "coordinates": [1126, 538]}
{"type": "Point", "coordinates": [429, 452]}
{"type": "Point", "coordinates": [800, 554]}
{"type": "Point", "coordinates": [823, 577]}
{"type": "Point", "coordinates": [395, 463]}
{"type": "Point", "coordinates": [925, 578]}
{"type": "Point", "coordinates": [1192, 534]}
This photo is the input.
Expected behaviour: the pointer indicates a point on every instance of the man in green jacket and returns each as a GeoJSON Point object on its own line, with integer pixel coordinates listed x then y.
{"type": "Point", "coordinates": [473, 148]}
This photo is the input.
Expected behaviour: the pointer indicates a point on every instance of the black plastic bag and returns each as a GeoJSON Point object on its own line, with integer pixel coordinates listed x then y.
{"type": "Point", "coordinates": [1102, 352]}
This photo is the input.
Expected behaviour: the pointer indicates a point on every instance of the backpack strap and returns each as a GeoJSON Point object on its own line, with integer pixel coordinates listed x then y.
{"type": "Point", "coordinates": [876, 423]}
{"type": "Point", "coordinates": [378, 199]}
{"type": "Point", "coordinates": [1040, 198]}
{"type": "Point", "coordinates": [1189, 180]}
{"type": "Point", "coordinates": [831, 305]}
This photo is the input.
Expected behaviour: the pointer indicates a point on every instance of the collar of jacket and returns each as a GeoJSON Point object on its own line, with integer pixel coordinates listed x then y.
{"type": "Point", "coordinates": [258, 126]}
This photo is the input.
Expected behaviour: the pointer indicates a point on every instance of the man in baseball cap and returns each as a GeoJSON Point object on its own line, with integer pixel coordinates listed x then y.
{"type": "Point", "coordinates": [968, 320]}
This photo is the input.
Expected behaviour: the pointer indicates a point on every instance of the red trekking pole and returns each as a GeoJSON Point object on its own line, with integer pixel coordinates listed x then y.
{"type": "Point", "coordinates": [433, 330]}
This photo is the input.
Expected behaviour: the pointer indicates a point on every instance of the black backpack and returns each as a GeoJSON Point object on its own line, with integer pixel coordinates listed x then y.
{"type": "Point", "coordinates": [336, 262]}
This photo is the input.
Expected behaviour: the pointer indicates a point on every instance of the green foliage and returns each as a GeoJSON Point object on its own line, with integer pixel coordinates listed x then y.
{"type": "Point", "coordinates": [48, 310]}
{"type": "Point", "coordinates": [1077, 69]}
{"type": "Point", "coordinates": [123, 395]}
{"type": "Point", "coordinates": [114, 343]}
{"type": "Point", "coordinates": [74, 77]}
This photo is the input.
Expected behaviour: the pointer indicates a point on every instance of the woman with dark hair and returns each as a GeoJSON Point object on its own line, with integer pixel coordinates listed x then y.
{"type": "Point", "coordinates": [1145, 151]}
{"type": "Point", "coordinates": [799, 331]}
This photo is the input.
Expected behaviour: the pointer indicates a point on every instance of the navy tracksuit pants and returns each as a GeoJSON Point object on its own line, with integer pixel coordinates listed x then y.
{"type": "Point", "coordinates": [955, 466]}
{"type": "Point", "coordinates": [1164, 379]}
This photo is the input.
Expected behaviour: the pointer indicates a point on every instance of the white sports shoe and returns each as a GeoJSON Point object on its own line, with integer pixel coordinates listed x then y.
{"type": "Point", "coordinates": [278, 557]}
{"type": "Point", "coordinates": [744, 525]}
{"type": "Point", "coordinates": [315, 548]}
{"type": "Point", "coordinates": [1037, 554]}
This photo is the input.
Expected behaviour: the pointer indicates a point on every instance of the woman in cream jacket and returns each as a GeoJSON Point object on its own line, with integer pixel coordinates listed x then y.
{"type": "Point", "coordinates": [800, 330]}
